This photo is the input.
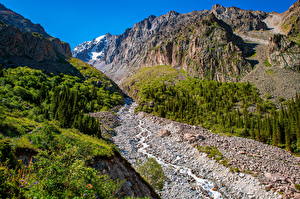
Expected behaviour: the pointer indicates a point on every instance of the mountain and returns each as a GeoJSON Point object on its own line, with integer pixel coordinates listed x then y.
{"type": "Point", "coordinates": [224, 44]}
{"type": "Point", "coordinates": [50, 145]}
{"type": "Point", "coordinates": [93, 51]}
{"type": "Point", "coordinates": [25, 43]}
{"type": "Point", "coordinates": [8, 16]}
{"type": "Point", "coordinates": [173, 39]}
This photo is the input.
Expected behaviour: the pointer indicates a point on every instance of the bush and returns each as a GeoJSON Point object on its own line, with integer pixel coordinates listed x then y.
{"type": "Point", "coordinates": [153, 173]}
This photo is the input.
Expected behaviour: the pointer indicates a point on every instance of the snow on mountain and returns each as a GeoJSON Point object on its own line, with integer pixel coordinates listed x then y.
{"type": "Point", "coordinates": [92, 51]}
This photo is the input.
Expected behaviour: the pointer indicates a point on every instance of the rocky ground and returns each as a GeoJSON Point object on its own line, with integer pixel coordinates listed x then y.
{"type": "Point", "coordinates": [271, 80]}
{"type": "Point", "coordinates": [267, 170]}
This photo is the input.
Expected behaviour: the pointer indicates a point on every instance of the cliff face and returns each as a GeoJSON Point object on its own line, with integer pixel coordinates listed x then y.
{"type": "Point", "coordinates": [15, 43]}
{"type": "Point", "coordinates": [201, 42]}
{"type": "Point", "coordinates": [197, 42]}
{"type": "Point", "coordinates": [284, 50]}
{"type": "Point", "coordinates": [241, 20]}
{"type": "Point", "coordinates": [119, 169]}
{"type": "Point", "coordinates": [25, 43]}
{"type": "Point", "coordinates": [206, 49]}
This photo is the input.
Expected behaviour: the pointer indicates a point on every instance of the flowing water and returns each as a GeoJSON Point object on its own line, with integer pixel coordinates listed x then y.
{"type": "Point", "coordinates": [138, 136]}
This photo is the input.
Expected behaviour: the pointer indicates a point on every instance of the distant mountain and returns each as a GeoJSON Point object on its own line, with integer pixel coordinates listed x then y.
{"type": "Point", "coordinates": [174, 39]}
{"type": "Point", "coordinates": [223, 44]}
{"type": "Point", "coordinates": [93, 51]}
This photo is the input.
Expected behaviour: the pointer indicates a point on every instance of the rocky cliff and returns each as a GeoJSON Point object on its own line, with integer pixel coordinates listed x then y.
{"type": "Point", "coordinates": [284, 50]}
{"type": "Point", "coordinates": [241, 20]}
{"type": "Point", "coordinates": [119, 169]}
{"type": "Point", "coordinates": [25, 25]}
{"type": "Point", "coordinates": [201, 42]}
{"type": "Point", "coordinates": [206, 48]}
{"type": "Point", "coordinates": [25, 43]}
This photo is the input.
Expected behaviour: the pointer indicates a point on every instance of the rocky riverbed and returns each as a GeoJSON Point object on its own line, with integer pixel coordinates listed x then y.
{"type": "Point", "coordinates": [191, 174]}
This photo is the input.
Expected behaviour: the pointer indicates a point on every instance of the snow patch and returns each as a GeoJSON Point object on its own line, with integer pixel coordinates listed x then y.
{"type": "Point", "coordinates": [96, 55]}
{"type": "Point", "coordinates": [98, 39]}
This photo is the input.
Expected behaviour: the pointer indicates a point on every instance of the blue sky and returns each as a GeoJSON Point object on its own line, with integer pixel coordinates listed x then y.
{"type": "Point", "coordinates": [75, 21]}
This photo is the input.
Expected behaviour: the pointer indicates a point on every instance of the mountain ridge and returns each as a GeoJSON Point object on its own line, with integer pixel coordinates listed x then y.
{"type": "Point", "coordinates": [119, 58]}
{"type": "Point", "coordinates": [176, 39]}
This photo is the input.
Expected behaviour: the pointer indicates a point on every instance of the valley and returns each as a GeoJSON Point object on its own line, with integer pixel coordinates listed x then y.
{"type": "Point", "coordinates": [190, 174]}
{"type": "Point", "coordinates": [204, 104]}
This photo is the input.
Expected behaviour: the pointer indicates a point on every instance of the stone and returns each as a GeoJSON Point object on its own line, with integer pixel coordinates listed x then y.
{"type": "Point", "coordinates": [190, 137]}
{"type": "Point", "coordinates": [164, 133]}
{"type": "Point", "coordinates": [242, 152]}
{"type": "Point", "coordinates": [296, 195]}
{"type": "Point", "coordinates": [274, 177]}
{"type": "Point", "coordinates": [269, 187]}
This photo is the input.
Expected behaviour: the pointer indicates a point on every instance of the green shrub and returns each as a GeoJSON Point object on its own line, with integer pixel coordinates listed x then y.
{"type": "Point", "coordinates": [267, 63]}
{"type": "Point", "coordinates": [153, 173]}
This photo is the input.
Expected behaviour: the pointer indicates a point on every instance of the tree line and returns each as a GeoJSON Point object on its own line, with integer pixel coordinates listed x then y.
{"type": "Point", "coordinates": [231, 108]}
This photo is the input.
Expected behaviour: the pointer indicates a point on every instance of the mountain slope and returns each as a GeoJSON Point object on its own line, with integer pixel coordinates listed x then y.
{"type": "Point", "coordinates": [25, 25]}
{"type": "Point", "coordinates": [178, 40]}
{"type": "Point", "coordinates": [24, 43]}
{"type": "Point", "coordinates": [50, 146]}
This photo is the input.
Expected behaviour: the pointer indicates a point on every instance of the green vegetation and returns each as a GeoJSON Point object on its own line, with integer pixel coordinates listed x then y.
{"type": "Point", "coordinates": [267, 63]}
{"type": "Point", "coordinates": [270, 72]}
{"type": "Point", "coordinates": [147, 75]}
{"type": "Point", "coordinates": [230, 108]}
{"type": "Point", "coordinates": [214, 153]}
{"type": "Point", "coordinates": [297, 186]}
{"type": "Point", "coordinates": [44, 119]}
{"type": "Point", "coordinates": [152, 172]}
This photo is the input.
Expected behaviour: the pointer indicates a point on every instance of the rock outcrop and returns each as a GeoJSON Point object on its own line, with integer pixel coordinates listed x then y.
{"type": "Point", "coordinates": [119, 169]}
{"type": "Point", "coordinates": [25, 43]}
{"type": "Point", "coordinates": [284, 52]}
{"type": "Point", "coordinates": [241, 20]}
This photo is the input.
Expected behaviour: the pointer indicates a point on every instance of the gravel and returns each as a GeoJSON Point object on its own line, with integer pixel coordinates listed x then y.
{"type": "Point", "coordinates": [190, 174]}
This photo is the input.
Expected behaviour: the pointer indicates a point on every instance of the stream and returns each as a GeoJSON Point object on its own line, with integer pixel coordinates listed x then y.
{"type": "Point", "coordinates": [134, 140]}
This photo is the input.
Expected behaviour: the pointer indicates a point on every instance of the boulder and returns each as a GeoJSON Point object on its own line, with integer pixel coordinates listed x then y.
{"type": "Point", "coordinates": [274, 177]}
{"type": "Point", "coordinates": [192, 137]}
{"type": "Point", "coordinates": [164, 133]}
{"type": "Point", "coordinates": [296, 195]}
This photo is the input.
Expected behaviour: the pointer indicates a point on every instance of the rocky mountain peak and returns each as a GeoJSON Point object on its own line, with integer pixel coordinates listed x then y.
{"type": "Point", "coordinates": [172, 13]}
{"type": "Point", "coordinates": [241, 20]}
{"type": "Point", "coordinates": [24, 25]}
{"type": "Point", "coordinates": [218, 8]}
{"type": "Point", "coordinates": [25, 43]}
{"type": "Point", "coordinates": [94, 50]}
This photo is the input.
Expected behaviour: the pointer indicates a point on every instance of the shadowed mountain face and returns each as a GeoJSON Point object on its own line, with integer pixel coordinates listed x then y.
{"type": "Point", "coordinates": [8, 16]}
{"type": "Point", "coordinates": [25, 43]}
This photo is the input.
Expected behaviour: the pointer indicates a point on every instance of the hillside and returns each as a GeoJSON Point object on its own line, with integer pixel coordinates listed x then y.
{"type": "Point", "coordinates": [50, 146]}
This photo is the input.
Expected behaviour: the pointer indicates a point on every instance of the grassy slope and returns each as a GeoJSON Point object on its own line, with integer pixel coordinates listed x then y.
{"type": "Point", "coordinates": [62, 153]}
